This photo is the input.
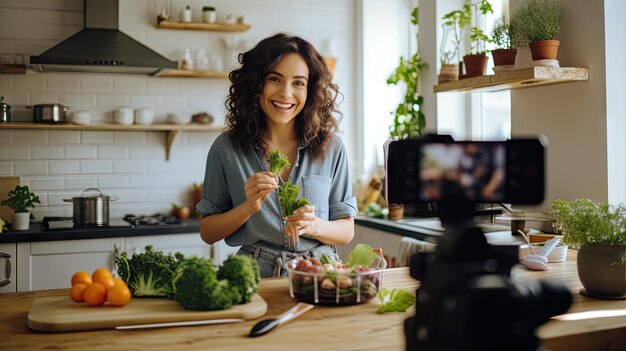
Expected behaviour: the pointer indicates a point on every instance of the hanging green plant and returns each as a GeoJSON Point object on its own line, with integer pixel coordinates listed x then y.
{"type": "Point", "coordinates": [409, 120]}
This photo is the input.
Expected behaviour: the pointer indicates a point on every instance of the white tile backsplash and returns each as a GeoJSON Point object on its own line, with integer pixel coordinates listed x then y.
{"type": "Point", "coordinates": [132, 164]}
{"type": "Point", "coordinates": [31, 169]}
{"type": "Point", "coordinates": [64, 167]}
{"type": "Point", "coordinates": [47, 152]}
{"type": "Point", "coordinates": [81, 151]}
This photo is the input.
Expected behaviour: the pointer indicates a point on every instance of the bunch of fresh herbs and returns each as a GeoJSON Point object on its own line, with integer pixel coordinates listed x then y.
{"type": "Point", "coordinates": [582, 222]}
{"type": "Point", "coordinates": [287, 192]}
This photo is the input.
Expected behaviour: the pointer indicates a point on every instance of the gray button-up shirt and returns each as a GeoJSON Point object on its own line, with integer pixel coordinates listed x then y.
{"type": "Point", "coordinates": [324, 183]}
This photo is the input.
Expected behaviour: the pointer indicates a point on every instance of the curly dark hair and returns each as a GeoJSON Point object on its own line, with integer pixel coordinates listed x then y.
{"type": "Point", "coordinates": [315, 124]}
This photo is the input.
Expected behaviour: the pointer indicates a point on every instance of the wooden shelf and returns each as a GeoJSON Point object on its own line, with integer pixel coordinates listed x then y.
{"type": "Point", "coordinates": [193, 73]}
{"type": "Point", "coordinates": [216, 27]}
{"type": "Point", "coordinates": [521, 78]}
{"type": "Point", "coordinates": [171, 130]}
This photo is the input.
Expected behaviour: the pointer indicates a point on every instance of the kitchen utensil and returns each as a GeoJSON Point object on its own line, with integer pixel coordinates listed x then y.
{"type": "Point", "coordinates": [179, 324]}
{"type": "Point", "coordinates": [123, 115]}
{"type": "Point", "coordinates": [5, 111]}
{"type": "Point", "coordinates": [91, 210]}
{"type": "Point", "coordinates": [267, 325]}
{"type": "Point", "coordinates": [538, 261]}
{"type": "Point", "coordinates": [48, 113]}
{"type": "Point", "coordinates": [61, 314]}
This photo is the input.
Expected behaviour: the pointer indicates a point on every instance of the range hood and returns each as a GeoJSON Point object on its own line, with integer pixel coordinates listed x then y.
{"type": "Point", "coordinates": [100, 47]}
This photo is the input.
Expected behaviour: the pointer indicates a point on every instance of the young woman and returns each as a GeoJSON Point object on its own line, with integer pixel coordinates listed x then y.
{"type": "Point", "coordinates": [281, 98]}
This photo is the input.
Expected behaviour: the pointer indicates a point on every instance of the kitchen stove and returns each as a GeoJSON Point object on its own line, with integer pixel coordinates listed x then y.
{"type": "Point", "coordinates": [156, 219]}
{"type": "Point", "coordinates": [129, 221]}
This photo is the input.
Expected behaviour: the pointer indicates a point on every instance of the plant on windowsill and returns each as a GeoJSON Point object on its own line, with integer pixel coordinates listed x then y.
{"type": "Point", "coordinates": [20, 200]}
{"type": "Point", "coordinates": [598, 231]}
{"type": "Point", "coordinates": [454, 22]}
{"type": "Point", "coordinates": [539, 21]}
{"type": "Point", "coordinates": [476, 61]}
{"type": "Point", "coordinates": [505, 39]}
{"type": "Point", "coordinates": [409, 120]}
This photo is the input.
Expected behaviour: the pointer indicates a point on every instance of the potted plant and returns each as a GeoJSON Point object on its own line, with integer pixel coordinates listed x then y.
{"type": "Point", "coordinates": [598, 231]}
{"type": "Point", "coordinates": [505, 39]}
{"type": "Point", "coordinates": [20, 200]}
{"type": "Point", "coordinates": [476, 61]}
{"type": "Point", "coordinates": [538, 22]}
{"type": "Point", "coordinates": [409, 120]}
{"type": "Point", "coordinates": [453, 27]}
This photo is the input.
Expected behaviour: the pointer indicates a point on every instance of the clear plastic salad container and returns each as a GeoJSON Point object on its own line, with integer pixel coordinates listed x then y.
{"type": "Point", "coordinates": [333, 284]}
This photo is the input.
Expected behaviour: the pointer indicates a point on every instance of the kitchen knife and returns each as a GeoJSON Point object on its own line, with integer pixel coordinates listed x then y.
{"type": "Point", "coordinates": [178, 324]}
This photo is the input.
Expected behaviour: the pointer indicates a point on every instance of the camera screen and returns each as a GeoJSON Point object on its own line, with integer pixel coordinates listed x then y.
{"type": "Point", "coordinates": [476, 169]}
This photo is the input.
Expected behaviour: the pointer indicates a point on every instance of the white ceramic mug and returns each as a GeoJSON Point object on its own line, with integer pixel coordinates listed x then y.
{"type": "Point", "coordinates": [123, 115]}
{"type": "Point", "coordinates": [144, 116]}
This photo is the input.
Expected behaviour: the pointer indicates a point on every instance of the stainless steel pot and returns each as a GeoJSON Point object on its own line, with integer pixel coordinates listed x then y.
{"type": "Point", "coordinates": [5, 111]}
{"type": "Point", "coordinates": [48, 113]}
{"type": "Point", "coordinates": [91, 210]}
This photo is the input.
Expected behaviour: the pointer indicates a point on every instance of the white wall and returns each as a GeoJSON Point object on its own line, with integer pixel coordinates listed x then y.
{"type": "Point", "coordinates": [573, 116]}
{"type": "Point", "coordinates": [59, 164]}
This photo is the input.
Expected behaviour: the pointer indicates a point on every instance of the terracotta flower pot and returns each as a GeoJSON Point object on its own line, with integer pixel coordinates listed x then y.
{"type": "Point", "coordinates": [602, 270]}
{"type": "Point", "coordinates": [544, 49]}
{"type": "Point", "coordinates": [475, 65]}
{"type": "Point", "coordinates": [504, 57]}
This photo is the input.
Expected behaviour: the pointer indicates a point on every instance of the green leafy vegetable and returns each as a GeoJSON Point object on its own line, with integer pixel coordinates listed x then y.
{"type": "Point", "coordinates": [278, 162]}
{"type": "Point", "coordinates": [243, 273]}
{"type": "Point", "coordinates": [198, 288]}
{"type": "Point", "coordinates": [361, 255]}
{"type": "Point", "coordinates": [396, 300]}
{"type": "Point", "coordinates": [287, 192]}
{"type": "Point", "coordinates": [149, 273]}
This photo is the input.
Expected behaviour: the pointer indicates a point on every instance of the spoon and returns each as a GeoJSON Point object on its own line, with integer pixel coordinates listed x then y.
{"type": "Point", "coordinates": [264, 326]}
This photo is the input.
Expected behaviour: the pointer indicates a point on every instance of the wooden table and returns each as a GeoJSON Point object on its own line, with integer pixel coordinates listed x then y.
{"type": "Point", "coordinates": [356, 327]}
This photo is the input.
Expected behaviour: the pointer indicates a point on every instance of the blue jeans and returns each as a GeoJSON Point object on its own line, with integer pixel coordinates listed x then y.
{"type": "Point", "coordinates": [271, 259]}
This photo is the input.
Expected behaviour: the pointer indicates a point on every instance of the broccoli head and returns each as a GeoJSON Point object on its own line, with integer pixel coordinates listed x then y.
{"type": "Point", "coordinates": [196, 286]}
{"type": "Point", "coordinates": [149, 273]}
{"type": "Point", "coordinates": [277, 162]}
{"type": "Point", "coordinates": [243, 273]}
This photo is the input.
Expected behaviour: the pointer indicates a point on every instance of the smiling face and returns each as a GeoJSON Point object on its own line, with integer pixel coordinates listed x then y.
{"type": "Point", "coordinates": [285, 90]}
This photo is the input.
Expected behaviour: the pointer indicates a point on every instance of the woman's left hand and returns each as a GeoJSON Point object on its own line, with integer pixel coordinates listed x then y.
{"type": "Point", "coordinates": [301, 222]}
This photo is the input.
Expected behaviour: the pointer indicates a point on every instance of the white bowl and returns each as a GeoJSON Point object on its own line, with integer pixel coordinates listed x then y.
{"type": "Point", "coordinates": [123, 115]}
{"type": "Point", "coordinates": [81, 117]}
{"type": "Point", "coordinates": [175, 118]}
{"type": "Point", "coordinates": [144, 116]}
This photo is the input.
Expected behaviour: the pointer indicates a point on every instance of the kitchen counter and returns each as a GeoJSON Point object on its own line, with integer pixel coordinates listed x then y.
{"type": "Point", "coordinates": [356, 327]}
{"type": "Point", "coordinates": [35, 233]}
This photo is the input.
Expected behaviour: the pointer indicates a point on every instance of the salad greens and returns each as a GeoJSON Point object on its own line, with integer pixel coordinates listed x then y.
{"type": "Point", "coordinates": [396, 300]}
{"type": "Point", "coordinates": [361, 255]}
{"type": "Point", "coordinates": [287, 192]}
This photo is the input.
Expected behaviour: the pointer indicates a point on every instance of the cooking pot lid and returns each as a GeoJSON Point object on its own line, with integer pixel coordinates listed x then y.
{"type": "Point", "coordinates": [86, 196]}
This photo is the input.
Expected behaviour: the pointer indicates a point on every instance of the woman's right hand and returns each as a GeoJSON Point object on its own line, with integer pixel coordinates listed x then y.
{"type": "Point", "coordinates": [258, 187]}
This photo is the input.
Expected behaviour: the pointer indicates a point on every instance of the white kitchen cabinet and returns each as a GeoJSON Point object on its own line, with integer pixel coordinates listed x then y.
{"type": "Point", "coordinates": [50, 264]}
{"type": "Point", "coordinates": [187, 244]}
{"type": "Point", "coordinates": [9, 265]}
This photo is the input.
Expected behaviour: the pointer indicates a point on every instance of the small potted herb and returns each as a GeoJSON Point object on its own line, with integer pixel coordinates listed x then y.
{"type": "Point", "coordinates": [505, 39]}
{"type": "Point", "coordinates": [598, 231]}
{"type": "Point", "coordinates": [209, 15]}
{"type": "Point", "coordinates": [538, 22]}
{"type": "Point", "coordinates": [20, 200]}
{"type": "Point", "coordinates": [476, 61]}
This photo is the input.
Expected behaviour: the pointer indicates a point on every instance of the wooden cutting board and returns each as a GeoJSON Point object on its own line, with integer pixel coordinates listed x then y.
{"type": "Point", "coordinates": [7, 184]}
{"type": "Point", "coordinates": [61, 314]}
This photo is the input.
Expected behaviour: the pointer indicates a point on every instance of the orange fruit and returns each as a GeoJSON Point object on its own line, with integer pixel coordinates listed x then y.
{"type": "Point", "coordinates": [119, 295]}
{"type": "Point", "coordinates": [104, 277]}
{"type": "Point", "coordinates": [95, 294]}
{"type": "Point", "coordinates": [81, 277]}
{"type": "Point", "coordinates": [119, 281]}
{"type": "Point", "coordinates": [77, 291]}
